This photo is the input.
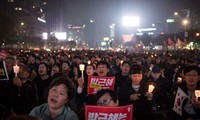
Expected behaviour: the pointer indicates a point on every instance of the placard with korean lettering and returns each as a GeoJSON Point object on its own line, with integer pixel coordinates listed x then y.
{"type": "Point", "coordinates": [108, 113]}
{"type": "Point", "coordinates": [96, 83]}
{"type": "Point", "coordinates": [3, 71]}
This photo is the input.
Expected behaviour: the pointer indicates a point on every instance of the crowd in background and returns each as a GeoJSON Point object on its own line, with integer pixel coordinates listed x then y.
{"type": "Point", "coordinates": [41, 76]}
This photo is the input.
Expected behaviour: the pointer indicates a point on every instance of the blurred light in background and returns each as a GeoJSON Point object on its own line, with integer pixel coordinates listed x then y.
{"type": "Point", "coordinates": [130, 21]}
{"type": "Point", "coordinates": [61, 35]}
{"type": "Point", "coordinates": [45, 36]}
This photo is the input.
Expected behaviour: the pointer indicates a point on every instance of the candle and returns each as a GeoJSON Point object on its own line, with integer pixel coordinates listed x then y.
{"type": "Point", "coordinates": [82, 67]}
{"type": "Point", "coordinates": [197, 93]}
{"type": "Point", "coordinates": [121, 61]}
{"type": "Point", "coordinates": [89, 61]}
{"type": "Point", "coordinates": [179, 79]}
{"type": "Point", "coordinates": [16, 70]}
{"type": "Point", "coordinates": [150, 89]}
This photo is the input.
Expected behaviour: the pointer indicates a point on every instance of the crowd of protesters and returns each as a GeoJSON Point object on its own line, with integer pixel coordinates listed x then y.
{"type": "Point", "coordinates": [49, 84]}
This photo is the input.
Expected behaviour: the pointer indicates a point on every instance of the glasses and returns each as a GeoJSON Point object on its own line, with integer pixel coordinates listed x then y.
{"type": "Point", "coordinates": [104, 102]}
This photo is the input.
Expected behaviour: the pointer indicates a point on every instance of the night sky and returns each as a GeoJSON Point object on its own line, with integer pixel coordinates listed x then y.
{"type": "Point", "coordinates": [105, 12]}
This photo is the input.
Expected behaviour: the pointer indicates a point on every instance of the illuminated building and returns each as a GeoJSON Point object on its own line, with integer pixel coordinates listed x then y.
{"type": "Point", "coordinates": [27, 15]}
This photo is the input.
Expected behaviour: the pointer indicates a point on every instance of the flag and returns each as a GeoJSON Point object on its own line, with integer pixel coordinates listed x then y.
{"type": "Point", "coordinates": [185, 42]}
{"type": "Point", "coordinates": [3, 55]}
{"type": "Point", "coordinates": [170, 42]}
{"type": "Point", "coordinates": [180, 43]}
{"type": "Point", "coordinates": [164, 43]}
{"type": "Point", "coordinates": [180, 97]}
{"type": "Point", "coordinates": [141, 43]}
{"type": "Point", "coordinates": [136, 43]}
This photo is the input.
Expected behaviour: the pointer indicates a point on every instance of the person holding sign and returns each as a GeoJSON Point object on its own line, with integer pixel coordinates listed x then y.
{"type": "Point", "coordinates": [107, 108]}
{"type": "Point", "coordinates": [190, 108]}
{"type": "Point", "coordinates": [103, 69]}
{"type": "Point", "coordinates": [107, 98]}
{"type": "Point", "coordinates": [60, 94]}
{"type": "Point", "coordinates": [136, 92]}
{"type": "Point", "coordinates": [82, 81]}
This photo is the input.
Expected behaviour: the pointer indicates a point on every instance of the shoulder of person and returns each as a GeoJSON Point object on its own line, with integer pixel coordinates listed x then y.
{"type": "Point", "coordinates": [39, 110]}
{"type": "Point", "coordinates": [71, 114]}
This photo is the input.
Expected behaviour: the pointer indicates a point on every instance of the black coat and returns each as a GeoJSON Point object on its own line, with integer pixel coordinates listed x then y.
{"type": "Point", "coordinates": [24, 98]}
{"type": "Point", "coordinates": [142, 106]}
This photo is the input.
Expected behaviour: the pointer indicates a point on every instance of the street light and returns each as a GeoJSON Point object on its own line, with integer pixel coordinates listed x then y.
{"type": "Point", "coordinates": [22, 23]}
{"type": "Point", "coordinates": [185, 23]}
{"type": "Point", "coordinates": [175, 13]}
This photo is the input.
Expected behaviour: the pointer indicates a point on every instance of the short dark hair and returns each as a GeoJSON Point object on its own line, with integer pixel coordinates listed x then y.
{"type": "Point", "coordinates": [126, 62]}
{"type": "Point", "coordinates": [77, 57]}
{"type": "Point", "coordinates": [135, 69]}
{"type": "Point", "coordinates": [58, 65]}
{"type": "Point", "coordinates": [90, 65]}
{"type": "Point", "coordinates": [32, 54]}
{"type": "Point", "coordinates": [67, 63]}
{"type": "Point", "coordinates": [190, 68]}
{"type": "Point", "coordinates": [46, 65]}
{"type": "Point", "coordinates": [11, 58]}
{"type": "Point", "coordinates": [103, 63]}
{"type": "Point", "coordinates": [102, 92]}
{"type": "Point", "coordinates": [63, 79]}
{"type": "Point", "coordinates": [24, 67]}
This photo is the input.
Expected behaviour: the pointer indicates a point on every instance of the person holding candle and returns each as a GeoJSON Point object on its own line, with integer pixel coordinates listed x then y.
{"type": "Point", "coordinates": [82, 81]}
{"type": "Point", "coordinates": [82, 88]}
{"type": "Point", "coordinates": [161, 91]}
{"type": "Point", "coordinates": [102, 70]}
{"type": "Point", "coordinates": [24, 92]}
{"type": "Point", "coordinates": [136, 92]}
{"type": "Point", "coordinates": [190, 106]}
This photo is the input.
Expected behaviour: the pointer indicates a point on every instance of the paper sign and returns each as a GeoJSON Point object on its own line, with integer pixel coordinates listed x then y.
{"type": "Point", "coordinates": [96, 83]}
{"type": "Point", "coordinates": [3, 71]}
{"type": "Point", "coordinates": [108, 113]}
